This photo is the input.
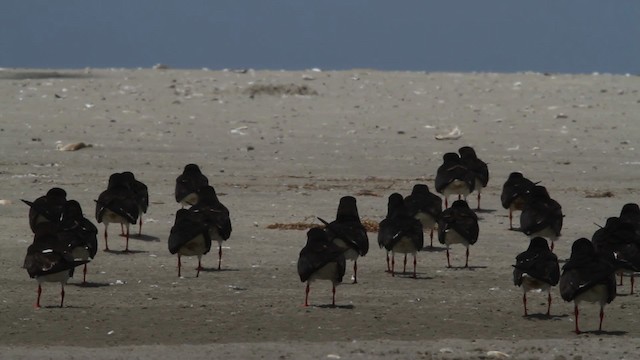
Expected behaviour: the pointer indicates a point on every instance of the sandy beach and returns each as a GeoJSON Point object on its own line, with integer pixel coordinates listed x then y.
{"type": "Point", "coordinates": [282, 147]}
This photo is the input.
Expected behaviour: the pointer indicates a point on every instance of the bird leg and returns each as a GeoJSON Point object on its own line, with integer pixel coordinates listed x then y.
{"type": "Point", "coordinates": [404, 269]}
{"type": "Point", "coordinates": [393, 264]}
{"type": "Point", "coordinates": [355, 271]}
{"type": "Point", "coordinates": [632, 283]}
{"type": "Point", "coordinates": [448, 259]}
{"type": "Point", "coordinates": [333, 291]}
{"type": "Point", "coordinates": [306, 295]}
{"type": "Point", "coordinates": [219, 255]}
{"type": "Point", "coordinates": [524, 303]}
{"type": "Point", "coordinates": [140, 226]}
{"type": "Point", "coordinates": [39, 293]}
{"type": "Point", "coordinates": [576, 312]}
{"type": "Point", "coordinates": [388, 266]}
{"type": "Point", "coordinates": [126, 247]}
{"type": "Point", "coordinates": [431, 235]}
{"type": "Point", "coordinates": [121, 229]}
{"type": "Point", "coordinates": [415, 263]}
{"type": "Point", "coordinates": [510, 219]}
{"type": "Point", "coordinates": [84, 274]}
{"type": "Point", "coordinates": [466, 262]}
{"type": "Point", "coordinates": [620, 283]}
{"type": "Point", "coordinates": [199, 265]}
{"type": "Point", "coordinates": [552, 245]}
{"type": "Point", "coordinates": [549, 303]}
{"type": "Point", "coordinates": [446, 202]}
{"type": "Point", "coordinates": [601, 317]}
{"type": "Point", "coordinates": [61, 294]}
{"type": "Point", "coordinates": [179, 266]}
{"type": "Point", "coordinates": [106, 243]}
{"type": "Point", "coordinates": [478, 200]}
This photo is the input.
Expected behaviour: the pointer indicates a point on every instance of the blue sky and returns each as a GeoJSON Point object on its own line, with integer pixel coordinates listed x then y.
{"type": "Point", "coordinates": [580, 36]}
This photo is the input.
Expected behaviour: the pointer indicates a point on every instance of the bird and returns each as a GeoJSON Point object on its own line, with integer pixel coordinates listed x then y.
{"type": "Point", "coordinates": [79, 234]}
{"type": "Point", "coordinates": [190, 236]}
{"type": "Point", "coordinates": [630, 213]}
{"type": "Point", "coordinates": [348, 233]}
{"type": "Point", "coordinates": [619, 240]}
{"type": "Point", "coordinates": [541, 215]}
{"type": "Point", "coordinates": [514, 193]}
{"type": "Point", "coordinates": [478, 167]}
{"type": "Point", "coordinates": [47, 208]}
{"type": "Point", "coordinates": [401, 233]}
{"type": "Point", "coordinates": [215, 215]}
{"type": "Point", "coordinates": [117, 204]}
{"type": "Point", "coordinates": [188, 183]}
{"type": "Point", "coordinates": [321, 259]}
{"type": "Point", "coordinates": [536, 269]}
{"type": "Point", "coordinates": [424, 206]}
{"type": "Point", "coordinates": [453, 178]}
{"type": "Point", "coordinates": [587, 276]}
{"type": "Point", "coordinates": [458, 225]}
{"type": "Point", "coordinates": [141, 195]}
{"type": "Point", "coordinates": [48, 260]}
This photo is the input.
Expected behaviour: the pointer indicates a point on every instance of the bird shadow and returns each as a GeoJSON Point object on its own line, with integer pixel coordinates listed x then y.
{"type": "Point", "coordinates": [330, 306]}
{"type": "Point", "coordinates": [516, 229]}
{"type": "Point", "coordinates": [485, 211]}
{"type": "Point", "coordinates": [470, 268]}
{"type": "Point", "coordinates": [124, 252]}
{"type": "Point", "coordinates": [215, 269]}
{"type": "Point", "coordinates": [89, 284]}
{"type": "Point", "coordinates": [544, 316]}
{"type": "Point", "coordinates": [408, 275]}
{"type": "Point", "coordinates": [605, 332]}
{"type": "Point", "coordinates": [64, 307]}
{"type": "Point", "coordinates": [144, 237]}
{"type": "Point", "coordinates": [434, 249]}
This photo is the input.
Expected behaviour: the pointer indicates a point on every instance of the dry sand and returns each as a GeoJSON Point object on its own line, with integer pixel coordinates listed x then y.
{"type": "Point", "coordinates": [283, 147]}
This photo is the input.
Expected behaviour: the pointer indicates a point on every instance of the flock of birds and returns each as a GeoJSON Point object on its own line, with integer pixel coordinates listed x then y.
{"type": "Point", "coordinates": [64, 239]}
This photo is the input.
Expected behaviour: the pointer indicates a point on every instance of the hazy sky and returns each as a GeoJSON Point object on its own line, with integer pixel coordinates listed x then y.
{"type": "Point", "coordinates": [580, 36]}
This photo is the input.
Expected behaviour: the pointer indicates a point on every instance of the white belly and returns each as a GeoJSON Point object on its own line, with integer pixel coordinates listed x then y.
{"type": "Point", "coordinates": [478, 187]}
{"type": "Point", "coordinates": [453, 237]}
{"type": "Point", "coordinates": [457, 187]}
{"type": "Point", "coordinates": [428, 222]}
{"type": "Point", "coordinates": [213, 234]}
{"type": "Point", "coordinates": [327, 272]}
{"type": "Point", "coordinates": [532, 284]}
{"type": "Point", "coordinates": [597, 294]}
{"type": "Point", "coordinates": [546, 233]}
{"type": "Point", "coordinates": [349, 253]}
{"type": "Point", "coordinates": [189, 200]}
{"type": "Point", "coordinates": [61, 277]}
{"type": "Point", "coordinates": [110, 217]}
{"type": "Point", "coordinates": [404, 246]}
{"type": "Point", "coordinates": [194, 247]}
{"type": "Point", "coordinates": [80, 253]}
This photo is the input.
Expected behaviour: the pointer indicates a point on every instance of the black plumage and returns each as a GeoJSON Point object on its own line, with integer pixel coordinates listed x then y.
{"type": "Point", "coordinates": [588, 276]}
{"type": "Point", "coordinates": [478, 167]}
{"type": "Point", "coordinates": [541, 216]}
{"type": "Point", "coordinates": [188, 183]}
{"type": "Point", "coordinates": [536, 268]}
{"type": "Point", "coordinates": [401, 233]}
{"type": "Point", "coordinates": [320, 259]}
{"type": "Point", "coordinates": [514, 193]}
{"type": "Point", "coordinates": [79, 233]}
{"type": "Point", "coordinates": [47, 208]}
{"type": "Point", "coordinates": [453, 178]}
{"type": "Point", "coordinates": [458, 225]}
{"type": "Point", "coordinates": [619, 240]}
{"type": "Point", "coordinates": [117, 204]}
{"type": "Point", "coordinates": [215, 215]}
{"type": "Point", "coordinates": [140, 194]}
{"type": "Point", "coordinates": [190, 236]}
{"type": "Point", "coordinates": [424, 206]}
{"type": "Point", "coordinates": [348, 233]}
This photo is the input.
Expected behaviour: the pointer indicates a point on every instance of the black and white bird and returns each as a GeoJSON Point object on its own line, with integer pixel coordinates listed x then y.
{"type": "Point", "coordinates": [48, 260]}
{"type": "Point", "coordinates": [541, 216]}
{"type": "Point", "coordinates": [215, 215]}
{"type": "Point", "coordinates": [424, 206]}
{"type": "Point", "coordinates": [620, 240]}
{"type": "Point", "coordinates": [478, 167]}
{"type": "Point", "coordinates": [321, 259]}
{"type": "Point", "coordinates": [141, 195]}
{"type": "Point", "coordinates": [453, 178]}
{"type": "Point", "coordinates": [348, 233]}
{"type": "Point", "coordinates": [47, 208]}
{"type": "Point", "coordinates": [188, 183]}
{"type": "Point", "coordinates": [190, 236]}
{"type": "Point", "coordinates": [400, 233]}
{"type": "Point", "coordinates": [80, 235]}
{"type": "Point", "coordinates": [587, 276]}
{"type": "Point", "coordinates": [458, 225]}
{"type": "Point", "coordinates": [536, 269]}
{"type": "Point", "coordinates": [514, 194]}
{"type": "Point", "coordinates": [118, 204]}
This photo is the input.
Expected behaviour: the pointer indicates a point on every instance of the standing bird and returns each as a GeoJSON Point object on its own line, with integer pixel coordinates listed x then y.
{"type": "Point", "coordinates": [320, 259]}
{"type": "Point", "coordinates": [541, 216]}
{"type": "Point", "coordinates": [514, 194]}
{"type": "Point", "coordinates": [188, 184]}
{"type": "Point", "coordinates": [141, 195]}
{"type": "Point", "coordinates": [190, 237]}
{"type": "Point", "coordinates": [47, 208]}
{"type": "Point", "coordinates": [47, 259]}
{"type": "Point", "coordinates": [80, 235]}
{"type": "Point", "coordinates": [458, 225]}
{"type": "Point", "coordinates": [619, 240]}
{"type": "Point", "coordinates": [401, 233]}
{"type": "Point", "coordinates": [117, 204]}
{"type": "Point", "coordinates": [454, 178]}
{"type": "Point", "coordinates": [630, 213]}
{"type": "Point", "coordinates": [536, 269]}
{"type": "Point", "coordinates": [348, 233]}
{"type": "Point", "coordinates": [587, 276]}
{"type": "Point", "coordinates": [215, 215]}
{"type": "Point", "coordinates": [424, 206]}
{"type": "Point", "coordinates": [478, 167]}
